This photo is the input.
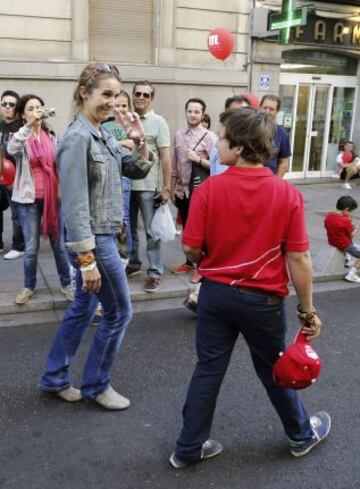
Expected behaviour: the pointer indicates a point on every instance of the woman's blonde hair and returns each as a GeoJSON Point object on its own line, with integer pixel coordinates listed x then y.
{"type": "Point", "coordinates": [89, 79]}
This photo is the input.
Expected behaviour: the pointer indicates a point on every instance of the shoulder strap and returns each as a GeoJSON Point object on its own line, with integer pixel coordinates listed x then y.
{"type": "Point", "coordinates": [202, 137]}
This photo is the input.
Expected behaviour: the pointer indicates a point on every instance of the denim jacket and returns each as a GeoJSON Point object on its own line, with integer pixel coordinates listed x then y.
{"type": "Point", "coordinates": [90, 165]}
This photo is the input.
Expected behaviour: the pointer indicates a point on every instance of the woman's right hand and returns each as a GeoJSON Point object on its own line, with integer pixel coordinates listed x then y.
{"type": "Point", "coordinates": [91, 281]}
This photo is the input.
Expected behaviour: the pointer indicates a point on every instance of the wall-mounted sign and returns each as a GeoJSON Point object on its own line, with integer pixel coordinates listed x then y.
{"type": "Point", "coordinates": [289, 17]}
{"type": "Point", "coordinates": [265, 80]}
{"type": "Point", "coordinates": [332, 32]}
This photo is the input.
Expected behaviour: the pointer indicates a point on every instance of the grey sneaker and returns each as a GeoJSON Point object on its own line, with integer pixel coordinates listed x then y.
{"type": "Point", "coordinates": [24, 296]}
{"type": "Point", "coordinates": [110, 399]}
{"type": "Point", "coordinates": [69, 292]}
{"type": "Point", "coordinates": [320, 424]}
{"type": "Point", "coordinates": [210, 449]}
{"type": "Point", "coordinates": [70, 394]}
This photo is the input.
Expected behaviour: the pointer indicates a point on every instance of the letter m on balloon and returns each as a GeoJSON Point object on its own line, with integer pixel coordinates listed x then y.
{"type": "Point", "coordinates": [214, 40]}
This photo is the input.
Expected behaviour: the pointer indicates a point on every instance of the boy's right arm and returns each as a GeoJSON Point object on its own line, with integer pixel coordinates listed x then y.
{"type": "Point", "coordinates": [300, 269]}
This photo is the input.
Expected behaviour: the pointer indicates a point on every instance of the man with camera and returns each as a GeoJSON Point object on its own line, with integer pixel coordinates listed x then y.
{"type": "Point", "coordinates": [148, 193]}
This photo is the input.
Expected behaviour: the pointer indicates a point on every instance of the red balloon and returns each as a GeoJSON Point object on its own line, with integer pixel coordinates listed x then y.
{"type": "Point", "coordinates": [220, 43]}
{"type": "Point", "coordinates": [8, 172]}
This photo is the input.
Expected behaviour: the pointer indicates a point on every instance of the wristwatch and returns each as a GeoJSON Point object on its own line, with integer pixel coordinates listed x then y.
{"type": "Point", "coordinates": [85, 259]}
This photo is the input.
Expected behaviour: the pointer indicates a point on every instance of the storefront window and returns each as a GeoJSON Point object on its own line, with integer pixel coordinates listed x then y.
{"type": "Point", "coordinates": [321, 63]}
{"type": "Point", "coordinates": [340, 123]}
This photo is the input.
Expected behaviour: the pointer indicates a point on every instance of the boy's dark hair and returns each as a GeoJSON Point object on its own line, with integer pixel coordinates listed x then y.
{"type": "Point", "coordinates": [196, 100]}
{"type": "Point", "coordinates": [253, 130]}
{"type": "Point", "coordinates": [346, 202]}
{"type": "Point", "coordinates": [273, 98]}
{"type": "Point", "coordinates": [236, 98]}
{"type": "Point", "coordinates": [146, 83]}
{"type": "Point", "coordinates": [10, 93]}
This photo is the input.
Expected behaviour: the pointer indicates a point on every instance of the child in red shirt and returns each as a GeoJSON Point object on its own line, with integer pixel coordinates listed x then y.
{"type": "Point", "coordinates": [340, 231]}
{"type": "Point", "coordinates": [348, 164]}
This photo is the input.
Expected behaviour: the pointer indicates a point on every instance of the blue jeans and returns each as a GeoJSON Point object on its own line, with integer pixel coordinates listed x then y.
{"type": "Point", "coordinates": [353, 250]}
{"type": "Point", "coordinates": [126, 188]}
{"type": "Point", "coordinates": [18, 237]}
{"type": "Point", "coordinates": [144, 201]}
{"type": "Point", "coordinates": [30, 216]}
{"type": "Point", "coordinates": [115, 298]}
{"type": "Point", "coordinates": [224, 312]}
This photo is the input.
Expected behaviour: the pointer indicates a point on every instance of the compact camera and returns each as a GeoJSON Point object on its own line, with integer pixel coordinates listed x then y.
{"type": "Point", "coordinates": [48, 112]}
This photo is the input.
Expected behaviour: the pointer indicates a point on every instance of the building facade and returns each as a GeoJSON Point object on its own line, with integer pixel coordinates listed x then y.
{"type": "Point", "coordinates": [45, 44]}
{"type": "Point", "coordinates": [317, 77]}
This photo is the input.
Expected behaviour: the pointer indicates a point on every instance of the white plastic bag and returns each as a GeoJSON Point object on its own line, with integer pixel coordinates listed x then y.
{"type": "Point", "coordinates": [162, 224]}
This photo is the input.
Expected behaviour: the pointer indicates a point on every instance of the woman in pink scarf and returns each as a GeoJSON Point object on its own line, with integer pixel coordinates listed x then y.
{"type": "Point", "coordinates": [36, 194]}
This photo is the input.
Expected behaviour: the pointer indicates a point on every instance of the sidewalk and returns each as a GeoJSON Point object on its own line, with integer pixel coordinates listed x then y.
{"type": "Point", "coordinates": [48, 303]}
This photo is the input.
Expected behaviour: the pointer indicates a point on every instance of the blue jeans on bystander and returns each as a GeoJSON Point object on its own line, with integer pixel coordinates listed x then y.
{"type": "Point", "coordinates": [144, 201]}
{"type": "Point", "coordinates": [115, 298]}
{"type": "Point", "coordinates": [30, 216]}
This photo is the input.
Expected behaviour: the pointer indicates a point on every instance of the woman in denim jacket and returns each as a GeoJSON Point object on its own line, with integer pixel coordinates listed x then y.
{"type": "Point", "coordinates": [35, 194]}
{"type": "Point", "coordinates": [91, 164]}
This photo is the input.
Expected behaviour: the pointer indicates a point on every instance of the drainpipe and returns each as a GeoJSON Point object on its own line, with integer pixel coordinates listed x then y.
{"type": "Point", "coordinates": [249, 61]}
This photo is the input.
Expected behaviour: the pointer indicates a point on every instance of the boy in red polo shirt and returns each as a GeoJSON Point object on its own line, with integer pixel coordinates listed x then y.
{"type": "Point", "coordinates": [340, 231]}
{"type": "Point", "coordinates": [245, 227]}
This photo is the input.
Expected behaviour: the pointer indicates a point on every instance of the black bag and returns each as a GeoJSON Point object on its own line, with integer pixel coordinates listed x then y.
{"type": "Point", "coordinates": [198, 173]}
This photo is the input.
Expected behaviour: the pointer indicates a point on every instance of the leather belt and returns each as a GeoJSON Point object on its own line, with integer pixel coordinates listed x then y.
{"type": "Point", "coordinates": [272, 298]}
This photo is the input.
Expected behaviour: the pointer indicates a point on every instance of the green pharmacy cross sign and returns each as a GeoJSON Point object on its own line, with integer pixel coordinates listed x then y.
{"type": "Point", "coordinates": [289, 17]}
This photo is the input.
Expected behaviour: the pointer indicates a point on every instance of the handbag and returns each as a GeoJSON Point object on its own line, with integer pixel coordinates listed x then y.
{"type": "Point", "coordinates": [198, 173]}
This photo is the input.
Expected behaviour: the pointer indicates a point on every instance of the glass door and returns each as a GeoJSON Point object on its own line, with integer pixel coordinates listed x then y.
{"type": "Point", "coordinates": [301, 130]}
{"type": "Point", "coordinates": [318, 115]}
{"type": "Point", "coordinates": [316, 144]}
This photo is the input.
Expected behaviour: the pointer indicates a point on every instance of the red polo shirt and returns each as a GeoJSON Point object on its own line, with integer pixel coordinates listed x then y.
{"type": "Point", "coordinates": [245, 220]}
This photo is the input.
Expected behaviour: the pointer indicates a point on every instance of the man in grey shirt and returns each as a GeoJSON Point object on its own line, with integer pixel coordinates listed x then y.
{"type": "Point", "coordinates": [152, 190]}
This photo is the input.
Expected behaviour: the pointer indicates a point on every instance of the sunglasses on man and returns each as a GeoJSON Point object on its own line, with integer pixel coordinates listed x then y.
{"type": "Point", "coordinates": [142, 94]}
{"type": "Point", "coordinates": [11, 105]}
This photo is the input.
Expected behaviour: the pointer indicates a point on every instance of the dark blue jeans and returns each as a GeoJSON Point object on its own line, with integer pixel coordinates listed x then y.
{"type": "Point", "coordinates": [115, 298]}
{"type": "Point", "coordinates": [126, 188]}
{"type": "Point", "coordinates": [18, 237]}
{"type": "Point", "coordinates": [223, 313]}
{"type": "Point", "coordinates": [30, 216]}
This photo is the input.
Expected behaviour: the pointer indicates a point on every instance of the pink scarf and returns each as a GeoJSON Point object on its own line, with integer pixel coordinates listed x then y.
{"type": "Point", "coordinates": [43, 151]}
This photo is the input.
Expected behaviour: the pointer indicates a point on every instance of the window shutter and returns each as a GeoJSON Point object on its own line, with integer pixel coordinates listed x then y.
{"type": "Point", "coordinates": [121, 30]}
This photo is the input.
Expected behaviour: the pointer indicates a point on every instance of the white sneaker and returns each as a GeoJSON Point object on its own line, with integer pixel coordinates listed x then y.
{"type": "Point", "coordinates": [347, 186]}
{"type": "Point", "coordinates": [348, 262]}
{"type": "Point", "coordinates": [69, 292]}
{"type": "Point", "coordinates": [13, 254]}
{"type": "Point", "coordinates": [70, 394]}
{"type": "Point", "coordinates": [352, 277]}
{"type": "Point", "coordinates": [111, 400]}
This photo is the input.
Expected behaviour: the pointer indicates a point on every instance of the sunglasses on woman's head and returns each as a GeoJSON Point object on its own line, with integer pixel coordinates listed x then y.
{"type": "Point", "coordinates": [11, 105]}
{"type": "Point", "coordinates": [102, 68]}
